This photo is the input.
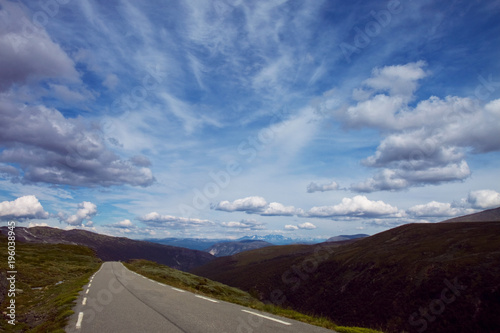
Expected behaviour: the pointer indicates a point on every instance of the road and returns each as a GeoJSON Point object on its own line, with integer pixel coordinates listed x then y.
{"type": "Point", "coordinates": [119, 300]}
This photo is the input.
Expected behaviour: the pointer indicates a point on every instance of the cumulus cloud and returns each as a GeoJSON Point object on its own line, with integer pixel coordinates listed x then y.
{"type": "Point", "coordinates": [257, 205]}
{"type": "Point", "coordinates": [476, 200]}
{"type": "Point", "coordinates": [86, 211]}
{"type": "Point", "coordinates": [307, 226]}
{"type": "Point", "coordinates": [313, 187]}
{"type": "Point", "coordinates": [249, 205]}
{"type": "Point", "coordinates": [423, 144]}
{"type": "Point", "coordinates": [435, 209]}
{"type": "Point", "coordinates": [26, 207]}
{"type": "Point", "coordinates": [291, 227]}
{"type": "Point", "coordinates": [358, 206]}
{"type": "Point", "coordinates": [277, 209]}
{"type": "Point", "coordinates": [303, 226]}
{"type": "Point", "coordinates": [125, 224]}
{"type": "Point", "coordinates": [156, 220]}
{"type": "Point", "coordinates": [244, 225]}
{"type": "Point", "coordinates": [484, 199]}
{"type": "Point", "coordinates": [50, 148]}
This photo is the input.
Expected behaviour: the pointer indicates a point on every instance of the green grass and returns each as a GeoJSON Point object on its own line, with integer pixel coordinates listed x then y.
{"type": "Point", "coordinates": [213, 289]}
{"type": "Point", "coordinates": [48, 280]}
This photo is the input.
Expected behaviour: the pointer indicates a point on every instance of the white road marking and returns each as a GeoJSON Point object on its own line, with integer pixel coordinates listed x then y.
{"type": "Point", "coordinates": [84, 301]}
{"type": "Point", "coordinates": [90, 284]}
{"type": "Point", "coordinates": [79, 322]}
{"type": "Point", "coordinates": [270, 318]}
{"type": "Point", "coordinates": [179, 290]}
{"type": "Point", "coordinates": [207, 299]}
{"type": "Point", "coordinates": [87, 291]}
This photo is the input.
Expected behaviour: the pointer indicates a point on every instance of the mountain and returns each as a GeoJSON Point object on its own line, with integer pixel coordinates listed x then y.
{"type": "Point", "coordinates": [200, 244]}
{"type": "Point", "coordinates": [282, 240]}
{"type": "Point", "coordinates": [229, 248]}
{"type": "Point", "coordinates": [346, 237]}
{"type": "Point", "coordinates": [486, 215]}
{"type": "Point", "coordinates": [110, 248]}
{"type": "Point", "coordinates": [440, 277]}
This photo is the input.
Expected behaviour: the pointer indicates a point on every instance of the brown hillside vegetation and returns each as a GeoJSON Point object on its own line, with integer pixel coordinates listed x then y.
{"type": "Point", "coordinates": [110, 248]}
{"type": "Point", "coordinates": [437, 277]}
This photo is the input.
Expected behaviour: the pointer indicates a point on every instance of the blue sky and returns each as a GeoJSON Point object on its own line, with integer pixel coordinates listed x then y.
{"type": "Point", "coordinates": [228, 118]}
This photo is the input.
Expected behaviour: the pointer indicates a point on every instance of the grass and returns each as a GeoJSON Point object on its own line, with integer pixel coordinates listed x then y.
{"type": "Point", "coordinates": [216, 290]}
{"type": "Point", "coordinates": [48, 280]}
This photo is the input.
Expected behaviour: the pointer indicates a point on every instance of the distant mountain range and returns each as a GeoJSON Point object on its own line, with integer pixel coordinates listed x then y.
{"type": "Point", "coordinates": [229, 248]}
{"type": "Point", "coordinates": [115, 248]}
{"type": "Point", "coordinates": [225, 247]}
{"type": "Point", "coordinates": [282, 240]}
{"type": "Point", "coordinates": [434, 277]}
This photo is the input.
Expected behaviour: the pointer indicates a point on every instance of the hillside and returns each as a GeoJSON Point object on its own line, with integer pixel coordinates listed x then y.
{"type": "Point", "coordinates": [346, 237]}
{"type": "Point", "coordinates": [387, 281]}
{"type": "Point", "coordinates": [48, 279]}
{"type": "Point", "coordinates": [229, 248]}
{"type": "Point", "coordinates": [110, 248]}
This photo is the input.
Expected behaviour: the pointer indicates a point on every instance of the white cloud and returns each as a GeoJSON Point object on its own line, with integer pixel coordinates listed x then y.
{"type": "Point", "coordinates": [424, 144]}
{"type": "Point", "coordinates": [155, 220]}
{"type": "Point", "coordinates": [86, 210]}
{"type": "Point", "coordinates": [277, 209]}
{"type": "Point", "coordinates": [307, 226]}
{"type": "Point", "coordinates": [435, 209]}
{"type": "Point", "coordinates": [250, 205]}
{"type": "Point", "coordinates": [26, 207]}
{"type": "Point", "coordinates": [125, 224]}
{"type": "Point", "coordinates": [303, 226]}
{"type": "Point", "coordinates": [244, 225]}
{"type": "Point", "coordinates": [291, 227]}
{"type": "Point", "coordinates": [32, 225]}
{"type": "Point", "coordinates": [358, 206]}
{"type": "Point", "coordinates": [258, 205]}
{"type": "Point", "coordinates": [313, 187]}
{"type": "Point", "coordinates": [484, 199]}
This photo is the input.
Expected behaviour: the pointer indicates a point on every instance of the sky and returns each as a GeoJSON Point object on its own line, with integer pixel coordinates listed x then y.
{"type": "Point", "coordinates": [220, 119]}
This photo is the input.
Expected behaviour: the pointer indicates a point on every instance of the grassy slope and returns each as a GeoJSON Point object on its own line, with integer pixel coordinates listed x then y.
{"type": "Point", "coordinates": [43, 305]}
{"type": "Point", "coordinates": [381, 280]}
{"type": "Point", "coordinates": [203, 286]}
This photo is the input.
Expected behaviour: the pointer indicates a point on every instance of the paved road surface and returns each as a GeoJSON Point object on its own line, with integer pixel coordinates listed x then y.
{"type": "Point", "coordinates": [119, 300]}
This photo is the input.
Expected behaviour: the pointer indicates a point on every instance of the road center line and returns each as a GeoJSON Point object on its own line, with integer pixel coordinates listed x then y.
{"type": "Point", "coordinates": [79, 322]}
{"type": "Point", "coordinates": [84, 301]}
{"type": "Point", "coordinates": [207, 299]}
{"type": "Point", "coordinates": [87, 291]}
{"type": "Point", "coordinates": [270, 318]}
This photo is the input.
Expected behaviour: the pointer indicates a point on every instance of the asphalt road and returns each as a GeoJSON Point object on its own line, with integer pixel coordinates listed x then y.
{"type": "Point", "coordinates": [119, 300]}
